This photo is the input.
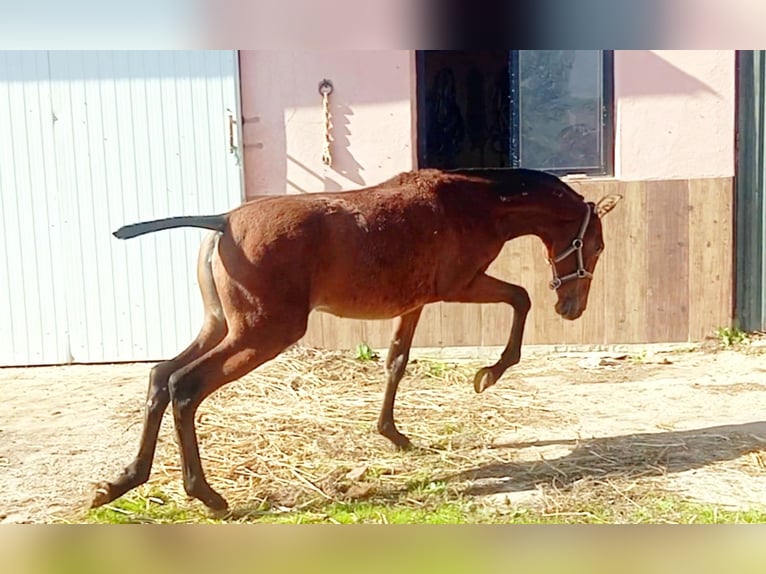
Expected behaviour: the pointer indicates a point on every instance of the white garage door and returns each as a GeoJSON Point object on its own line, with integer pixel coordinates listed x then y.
{"type": "Point", "coordinates": [90, 141]}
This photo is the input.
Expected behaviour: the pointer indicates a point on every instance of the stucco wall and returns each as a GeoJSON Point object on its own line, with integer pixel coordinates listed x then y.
{"type": "Point", "coordinates": [372, 109]}
{"type": "Point", "coordinates": [674, 117]}
{"type": "Point", "coordinates": [674, 114]}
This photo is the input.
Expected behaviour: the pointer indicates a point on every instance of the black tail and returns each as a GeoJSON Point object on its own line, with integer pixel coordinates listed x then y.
{"type": "Point", "coordinates": [214, 222]}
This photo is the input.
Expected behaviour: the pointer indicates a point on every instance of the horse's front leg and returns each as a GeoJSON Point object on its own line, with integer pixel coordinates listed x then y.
{"type": "Point", "coordinates": [486, 289]}
{"type": "Point", "coordinates": [396, 362]}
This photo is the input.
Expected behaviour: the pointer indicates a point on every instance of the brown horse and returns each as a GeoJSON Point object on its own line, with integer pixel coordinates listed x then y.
{"type": "Point", "coordinates": [380, 252]}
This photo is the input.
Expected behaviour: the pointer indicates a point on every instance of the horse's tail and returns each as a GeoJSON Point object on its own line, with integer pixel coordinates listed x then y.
{"type": "Point", "coordinates": [214, 222]}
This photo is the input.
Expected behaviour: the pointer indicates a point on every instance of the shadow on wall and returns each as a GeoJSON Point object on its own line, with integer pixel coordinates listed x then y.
{"type": "Point", "coordinates": [647, 74]}
{"type": "Point", "coordinates": [280, 93]}
{"type": "Point", "coordinates": [342, 159]}
{"type": "Point", "coordinates": [348, 167]}
{"type": "Point", "coordinates": [324, 182]}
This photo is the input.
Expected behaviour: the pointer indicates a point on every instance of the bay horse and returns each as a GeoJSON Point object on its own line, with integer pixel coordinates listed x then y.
{"type": "Point", "coordinates": [380, 252]}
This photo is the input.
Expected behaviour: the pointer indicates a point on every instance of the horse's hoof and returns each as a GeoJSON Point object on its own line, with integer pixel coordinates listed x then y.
{"type": "Point", "coordinates": [483, 380]}
{"type": "Point", "coordinates": [214, 502]}
{"type": "Point", "coordinates": [103, 495]}
{"type": "Point", "coordinates": [400, 441]}
{"type": "Point", "coordinates": [404, 444]}
{"type": "Point", "coordinates": [219, 513]}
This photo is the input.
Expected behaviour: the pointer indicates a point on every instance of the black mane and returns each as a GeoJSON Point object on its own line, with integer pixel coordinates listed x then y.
{"type": "Point", "coordinates": [513, 181]}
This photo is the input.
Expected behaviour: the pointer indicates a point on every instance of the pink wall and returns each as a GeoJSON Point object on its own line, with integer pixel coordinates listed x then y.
{"type": "Point", "coordinates": [372, 109]}
{"type": "Point", "coordinates": [674, 117]}
{"type": "Point", "coordinates": [674, 114]}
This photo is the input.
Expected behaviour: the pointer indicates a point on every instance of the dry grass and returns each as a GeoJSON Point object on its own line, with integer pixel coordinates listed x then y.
{"type": "Point", "coordinates": [299, 433]}
{"type": "Point", "coordinates": [301, 430]}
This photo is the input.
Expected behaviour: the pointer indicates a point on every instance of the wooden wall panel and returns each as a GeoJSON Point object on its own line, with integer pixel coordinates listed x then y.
{"type": "Point", "coordinates": [461, 323]}
{"type": "Point", "coordinates": [429, 330]}
{"type": "Point", "coordinates": [711, 256]}
{"type": "Point", "coordinates": [592, 321]}
{"type": "Point", "coordinates": [313, 336]}
{"type": "Point", "coordinates": [340, 333]}
{"type": "Point", "coordinates": [622, 267]}
{"type": "Point", "coordinates": [667, 224]}
{"type": "Point", "coordinates": [544, 324]}
{"type": "Point", "coordinates": [496, 318]}
{"type": "Point", "coordinates": [666, 275]}
{"type": "Point", "coordinates": [377, 334]}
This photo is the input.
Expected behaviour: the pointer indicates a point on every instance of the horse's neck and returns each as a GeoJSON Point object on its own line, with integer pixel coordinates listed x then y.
{"type": "Point", "coordinates": [543, 218]}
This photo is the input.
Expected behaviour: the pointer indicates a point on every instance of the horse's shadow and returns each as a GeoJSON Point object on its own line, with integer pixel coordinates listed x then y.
{"type": "Point", "coordinates": [629, 456]}
{"type": "Point", "coordinates": [626, 456]}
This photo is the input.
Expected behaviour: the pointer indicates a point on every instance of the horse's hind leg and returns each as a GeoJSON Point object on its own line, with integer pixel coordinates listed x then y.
{"type": "Point", "coordinates": [212, 332]}
{"type": "Point", "coordinates": [241, 351]}
{"type": "Point", "coordinates": [486, 289]}
{"type": "Point", "coordinates": [396, 361]}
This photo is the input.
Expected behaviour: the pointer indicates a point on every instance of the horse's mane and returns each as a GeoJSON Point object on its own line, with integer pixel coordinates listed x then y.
{"type": "Point", "coordinates": [514, 181]}
{"type": "Point", "coordinates": [506, 182]}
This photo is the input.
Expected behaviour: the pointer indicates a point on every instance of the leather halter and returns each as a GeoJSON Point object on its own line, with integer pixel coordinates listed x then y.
{"type": "Point", "coordinates": [575, 247]}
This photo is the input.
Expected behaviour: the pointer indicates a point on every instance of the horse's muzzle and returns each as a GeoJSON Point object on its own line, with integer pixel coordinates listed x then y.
{"type": "Point", "coordinates": [569, 308]}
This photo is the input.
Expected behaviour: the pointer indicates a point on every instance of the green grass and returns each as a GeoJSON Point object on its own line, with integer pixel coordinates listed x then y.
{"type": "Point", "coordinates": [732, 337]}
{"type": "Point", "coordinates": [434, 369]}
{"type": "Point", "coordinates": [155, 508]}
{"type": "Point", "coordinates": [135, 509]}
{"type": "Point", "coordinates": [381, 513]}
{"type": "Point", "coordinates": [429, 502]}
{"type": "Point", "coordinates": [364, 352]}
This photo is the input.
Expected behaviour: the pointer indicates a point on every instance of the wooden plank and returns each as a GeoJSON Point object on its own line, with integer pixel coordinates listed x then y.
{"type": "Point", "coordinates": [544, 326]}
{"type": "Point", "coordinates": [377, 334]}
{"type": "Point", "coordinates": [711, 235]}
{"type": "Point", "coordinates": [460, 324]}
{"type": "Point", "coordinates": [429, 330]}
{"type": "Point", "coordinates": [667, 295]}
{"type": "Point", "coordinates": [528, 254]}
{"type": "Point", "coordinates": [555, 329]}
{"type": "Point", "coordinates": [313, 336]}
{"type": "Point", "coordinates": [338, 333]}
{"type": "Point", "coordinates": [623, 267]}
{"type": "Point", "coordinates": [496, 318]}
{"type": "Point", "coordinates": [345, 333]}
{"type": "Point", "coordinates": [592, 322]}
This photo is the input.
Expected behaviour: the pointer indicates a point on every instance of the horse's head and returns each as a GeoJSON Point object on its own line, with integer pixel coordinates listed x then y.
{"type": "Point", "coordinates": [573, 252]}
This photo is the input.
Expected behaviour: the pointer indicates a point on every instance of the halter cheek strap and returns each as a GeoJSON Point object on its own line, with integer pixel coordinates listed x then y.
{"type": "Point", "coordinates": [575, 247]}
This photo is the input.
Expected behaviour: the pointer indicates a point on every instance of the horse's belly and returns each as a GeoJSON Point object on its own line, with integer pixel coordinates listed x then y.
{"type": "Point", "coordinates": [372, 301]}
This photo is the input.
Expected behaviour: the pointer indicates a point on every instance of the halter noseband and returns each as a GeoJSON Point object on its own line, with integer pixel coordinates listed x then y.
{"type": "Point", "coordinates": [575, 247]}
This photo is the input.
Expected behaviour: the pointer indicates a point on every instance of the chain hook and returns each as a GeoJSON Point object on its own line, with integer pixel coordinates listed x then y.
{"type": "Point", "coordinates": [325, 87]}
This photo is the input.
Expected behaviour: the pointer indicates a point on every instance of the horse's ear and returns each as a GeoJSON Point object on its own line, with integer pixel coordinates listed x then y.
{"type": "Point", "coordinates": [607, 203]}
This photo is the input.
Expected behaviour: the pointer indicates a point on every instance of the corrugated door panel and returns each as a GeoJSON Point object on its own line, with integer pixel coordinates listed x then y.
{"type": "Point", "coordinates": [90, 141]}
{"type": "Point", "coordinates": [134, 135]}
{"type": "Point", "coordinates": [750, 191]}
{"type": "Point", "coordinates": [32, 306]}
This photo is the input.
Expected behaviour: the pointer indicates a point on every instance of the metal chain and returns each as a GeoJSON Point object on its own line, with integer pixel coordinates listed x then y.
{"type": "Point", "coordinates": [326, 154]}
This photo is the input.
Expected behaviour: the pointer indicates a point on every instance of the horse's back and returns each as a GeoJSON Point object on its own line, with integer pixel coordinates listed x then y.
{"type": "Point", "coordinates": [370, 253]}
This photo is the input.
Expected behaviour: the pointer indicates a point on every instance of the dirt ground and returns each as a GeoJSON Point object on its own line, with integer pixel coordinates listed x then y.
{"type": "Point", "coordinates": [63, 428]}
